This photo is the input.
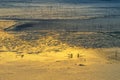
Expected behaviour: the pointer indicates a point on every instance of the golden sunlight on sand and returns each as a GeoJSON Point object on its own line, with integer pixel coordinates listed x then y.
{"type": "Point", "coordinates": [50, 59]}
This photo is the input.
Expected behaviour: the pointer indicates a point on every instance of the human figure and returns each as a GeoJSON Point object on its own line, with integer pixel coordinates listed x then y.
{"type": "Point", "coordinates": [78, 55]}
{"type": "Point", "coordinates": [22, 56]}
{"type": "Point", "coordinates": [70, 55]}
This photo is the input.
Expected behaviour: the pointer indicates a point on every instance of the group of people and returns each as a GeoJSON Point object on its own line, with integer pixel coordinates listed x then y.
{"type": "Point", "coordinates": [71, 55]}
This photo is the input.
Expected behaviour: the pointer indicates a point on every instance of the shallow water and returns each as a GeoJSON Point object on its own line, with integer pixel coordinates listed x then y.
{"type": "Point", "coordinates": [83, 16]}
